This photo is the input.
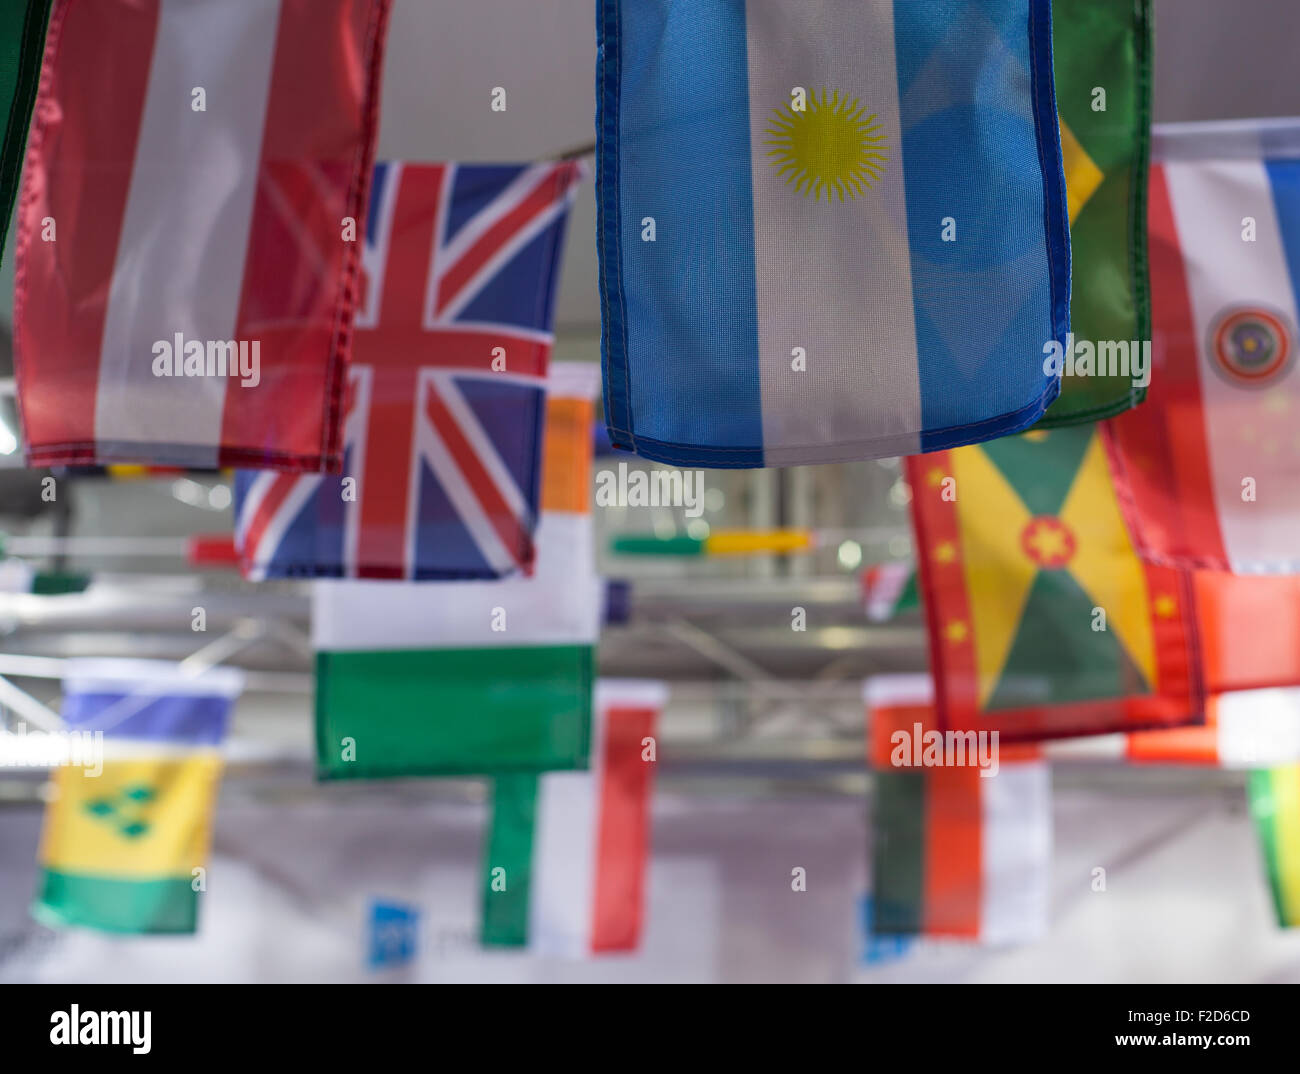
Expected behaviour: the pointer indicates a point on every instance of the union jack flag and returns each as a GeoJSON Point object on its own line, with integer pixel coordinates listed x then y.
{"type": "Point", "coordinates": [446, 389]}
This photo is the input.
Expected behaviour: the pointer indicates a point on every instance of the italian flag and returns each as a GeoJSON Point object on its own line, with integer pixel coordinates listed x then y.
{"type": "Point", "coordinates": [564, 872]}
{"type": "Point", "coordinates": [1275, 803]}
{"type": "Point", "coordinates": [430, 679]}
{"type": "Point", "coordinates": [955, 854]}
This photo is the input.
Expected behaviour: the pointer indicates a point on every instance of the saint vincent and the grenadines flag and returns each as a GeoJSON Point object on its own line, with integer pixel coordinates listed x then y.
{"type": "Point", "coordinates": [565, 865]}
{"type": "Point", "coordinates": [1043, 622]}
{"type": "Point", "coordinates": [1208, 469]}
{"type": "Point", "coordinates": [120, 846]}
{"type": "Point", "coordinates": [1275, 804]}
{"type": "Point", "coordinates": [472, 677]}
{"type": "Point", "coordinates": [446, 401]}
{"type": "Point", "coordinates": [954, 853]}
{"type": "Point", "coordinates": [827, 231]}
{"type": "Point", "coordinates": [190, 171]}
{"type": "Point", "coordinates": [1102, 61]}
{"type": "Point", "coordinates": [22, 39]}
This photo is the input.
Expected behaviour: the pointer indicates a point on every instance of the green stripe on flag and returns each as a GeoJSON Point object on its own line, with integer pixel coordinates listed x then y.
{"type": "Point", "coordinates": [22, 40]}
{"type": "Point", "coordinates": [1105, 45]}
{"type": "Point", "coordinates": [510, 849]}
{"type": "Point", "coordinates": [898, 852]}
{"type": "Point", "coordinates": [453, 711]}
{"type": "Point", "coordinates": [1262, 807]}
{"type": "Point", "coordinates": [167, 904]}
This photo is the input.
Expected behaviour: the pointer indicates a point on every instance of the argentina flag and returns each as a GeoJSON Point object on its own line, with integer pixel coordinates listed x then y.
{"type": "Point", "coordinates": [829, 230]}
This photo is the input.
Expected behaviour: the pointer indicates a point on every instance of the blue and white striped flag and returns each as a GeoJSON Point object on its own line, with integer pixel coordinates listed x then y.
{"type": "Point", "coordinates": [829, 230]}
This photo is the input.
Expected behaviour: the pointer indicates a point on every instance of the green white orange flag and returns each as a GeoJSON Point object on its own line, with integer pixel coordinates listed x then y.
{"type": "Point", "coordinates": [444, 678]}
{"type": "Point", "coordinates": [565, 865]}
{"type": "Point", "coordinates": [1275, 804]}
{"type": "Point", "coordinates": [1043, 621]}
{"type": "Point", "coordinates": [957, 851]}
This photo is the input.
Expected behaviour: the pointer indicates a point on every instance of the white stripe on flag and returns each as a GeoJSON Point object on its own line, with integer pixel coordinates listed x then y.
{"type": "Point", "coordinates": [1016, 850]}
{"type": "Point", "coordinates": [816, 290]}
{"type": "Point", "coordinates": [1258, 728]}
{"type": "Point", "coordinates": [563, 899]}
{"type": "Point", "coordinates": [180, 258]}
{"type": "Point", "coordinates": [1210, 199]}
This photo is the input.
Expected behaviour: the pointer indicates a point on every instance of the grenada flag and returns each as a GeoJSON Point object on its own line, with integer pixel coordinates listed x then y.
{"type": "Point", "coordinates": [1043, 622]}
{"type": "Point", "coordinates": [828, 230]}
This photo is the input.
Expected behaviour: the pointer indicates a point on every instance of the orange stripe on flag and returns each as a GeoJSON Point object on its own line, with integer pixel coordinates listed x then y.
{"type": "Point", "coordinates": [953, 873]}
{"type": "Point", "coordinates": [566, 458]}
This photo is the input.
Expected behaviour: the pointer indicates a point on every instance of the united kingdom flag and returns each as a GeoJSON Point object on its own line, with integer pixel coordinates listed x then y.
{"type": "Point", "coordinates": [446, 396]}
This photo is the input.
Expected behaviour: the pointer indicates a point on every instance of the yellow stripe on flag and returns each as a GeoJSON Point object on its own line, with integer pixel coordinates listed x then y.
{"type": "Point", "coordinates": [147, 817]}
{"type": "Point", "coordinates": [998, 582]}
{"type": "Point", "coordinates": [1286, 835]}
{"type": "Point", "coordinates": [742, 543]}
{"type": "Point", "coordinates": [1082, 176]}
{"type": "Point", "coordinates": [1105, 564]}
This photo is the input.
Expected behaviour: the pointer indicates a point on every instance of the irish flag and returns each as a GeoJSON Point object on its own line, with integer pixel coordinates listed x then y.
{"type": "Point", "coordinates": [439, 678]}
{"type": "Point", "coordinates": [828, 230]}
{"type": "Point", "coordinates": [124, 848]}
{"type": "Point", "coordinates": [186, 270]}
{"type": "Point", "coordinates": [565, 867]}
{"type": "Point", "coordinates": [1208, 469]}
{"type": "Point", "coordinates": [954, 853]}
{"type": "Point", "coordinates": [1275, 803]}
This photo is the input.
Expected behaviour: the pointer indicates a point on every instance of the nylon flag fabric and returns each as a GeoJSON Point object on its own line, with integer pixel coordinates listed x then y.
{"type": "Point", "coordinates": [22, 37]}
{"type": "Point", "coordinates": [472, 677]}
{"type": "Point", "coordinates": [442, 439]}
{"type": "Point", "coordinates": [565, 867]}
{"type": "Point", "coordinates": [1104, 45]}
{"type": "Point", "coordinates": [184, 286]}
{"type": "Point", "coordinates": [956, 852]}
{"type": "Point", "coordinates": [121, 844]}
{"type": "Point", "coordinates": [827, 231]}
{"type": "Point", "coordinates": [1042, 620]}
{"type": "Point", "coordinates": [1235, 653]}
{"type": "Point", "coordinates": [1275, 804]}
{"type": "Point", "coordinates": [1243, 729]}
{"type": "Point", "coordinates": [1209, 469]}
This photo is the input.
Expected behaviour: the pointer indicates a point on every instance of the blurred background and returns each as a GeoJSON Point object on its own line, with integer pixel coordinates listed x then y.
{"type": "Point", "coordinates": [762, 752]}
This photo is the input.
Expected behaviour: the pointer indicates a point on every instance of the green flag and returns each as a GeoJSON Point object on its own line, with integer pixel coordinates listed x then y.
{"type": "Point", "coordinates": [1103, 97]}
{"type": "Point", "coordinates": [22, 40]}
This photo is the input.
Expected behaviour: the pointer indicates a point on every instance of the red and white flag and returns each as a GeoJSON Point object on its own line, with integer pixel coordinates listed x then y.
{"type": "Point", "coordinates": [1208, 468]}
{"type": "Point", "coordinates": [186, 269]}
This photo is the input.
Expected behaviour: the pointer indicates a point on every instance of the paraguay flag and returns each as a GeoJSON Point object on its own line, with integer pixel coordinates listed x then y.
{"type": "Point", "coordinates": [828, 231]}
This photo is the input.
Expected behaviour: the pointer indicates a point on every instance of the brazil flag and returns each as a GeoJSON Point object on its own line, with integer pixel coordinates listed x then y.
{"type": "Point", "coordinates": [1102, 57]}
{"type": "Point", "coordinates": [1043, 621]}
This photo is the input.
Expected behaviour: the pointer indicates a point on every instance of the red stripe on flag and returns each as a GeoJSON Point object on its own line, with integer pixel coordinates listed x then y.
{"type": "Point", "coordinates": [542, 197]}
{"type": "Point", "coordinates": [300, 277]}
{"type": "Point", "coordinates": [954, 877]}
{"type": "Point", "coordinates": [1159, 452]}
{"type": "Point", "coordinates": [624, 826]}
{"type": "Point", "coordinates": [514, 536]}
{"type": "Point", "coordinates": [61, 288]}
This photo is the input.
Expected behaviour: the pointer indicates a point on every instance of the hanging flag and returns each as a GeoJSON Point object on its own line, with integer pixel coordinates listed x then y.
{"type": "Point", "coordinates": [1243, 729]}
{"type": "Point", "coordinates": [1043, 622]}
{"type": "Point", "coordinates": [1236, 654]}
{"type": "Point", "coordinates": [1102, 60]}
{"type": "Point", "coordinates": [888, 590]}
{"type": "Point", "coordinates": [442, 439]}
{"type": "Point", "coordinates": [1275, 803]}
{"type": "Point", "coordinates": [123, 847]}
{"type": "Point", "coordinates": [472, 677]}
{"type": "Point", "coordinates": [956, 851]}
{"type": "Point", "coordinates": [827, 231]}
{"type": "Point", "coordinates": [186, 272]}
{"type": "Point", "coordinates": [1209, 470]}
{"type": "Point", "coordinates": [565, 863]}
{"type": "Point", "coordinates": [22, 40]}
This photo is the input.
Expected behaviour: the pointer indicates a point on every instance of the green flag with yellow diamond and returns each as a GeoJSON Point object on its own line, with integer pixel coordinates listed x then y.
{"type": "Point", "coordinates": [1102, 58]}
{"type": "Point", "coordinates": [1043, 621]}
